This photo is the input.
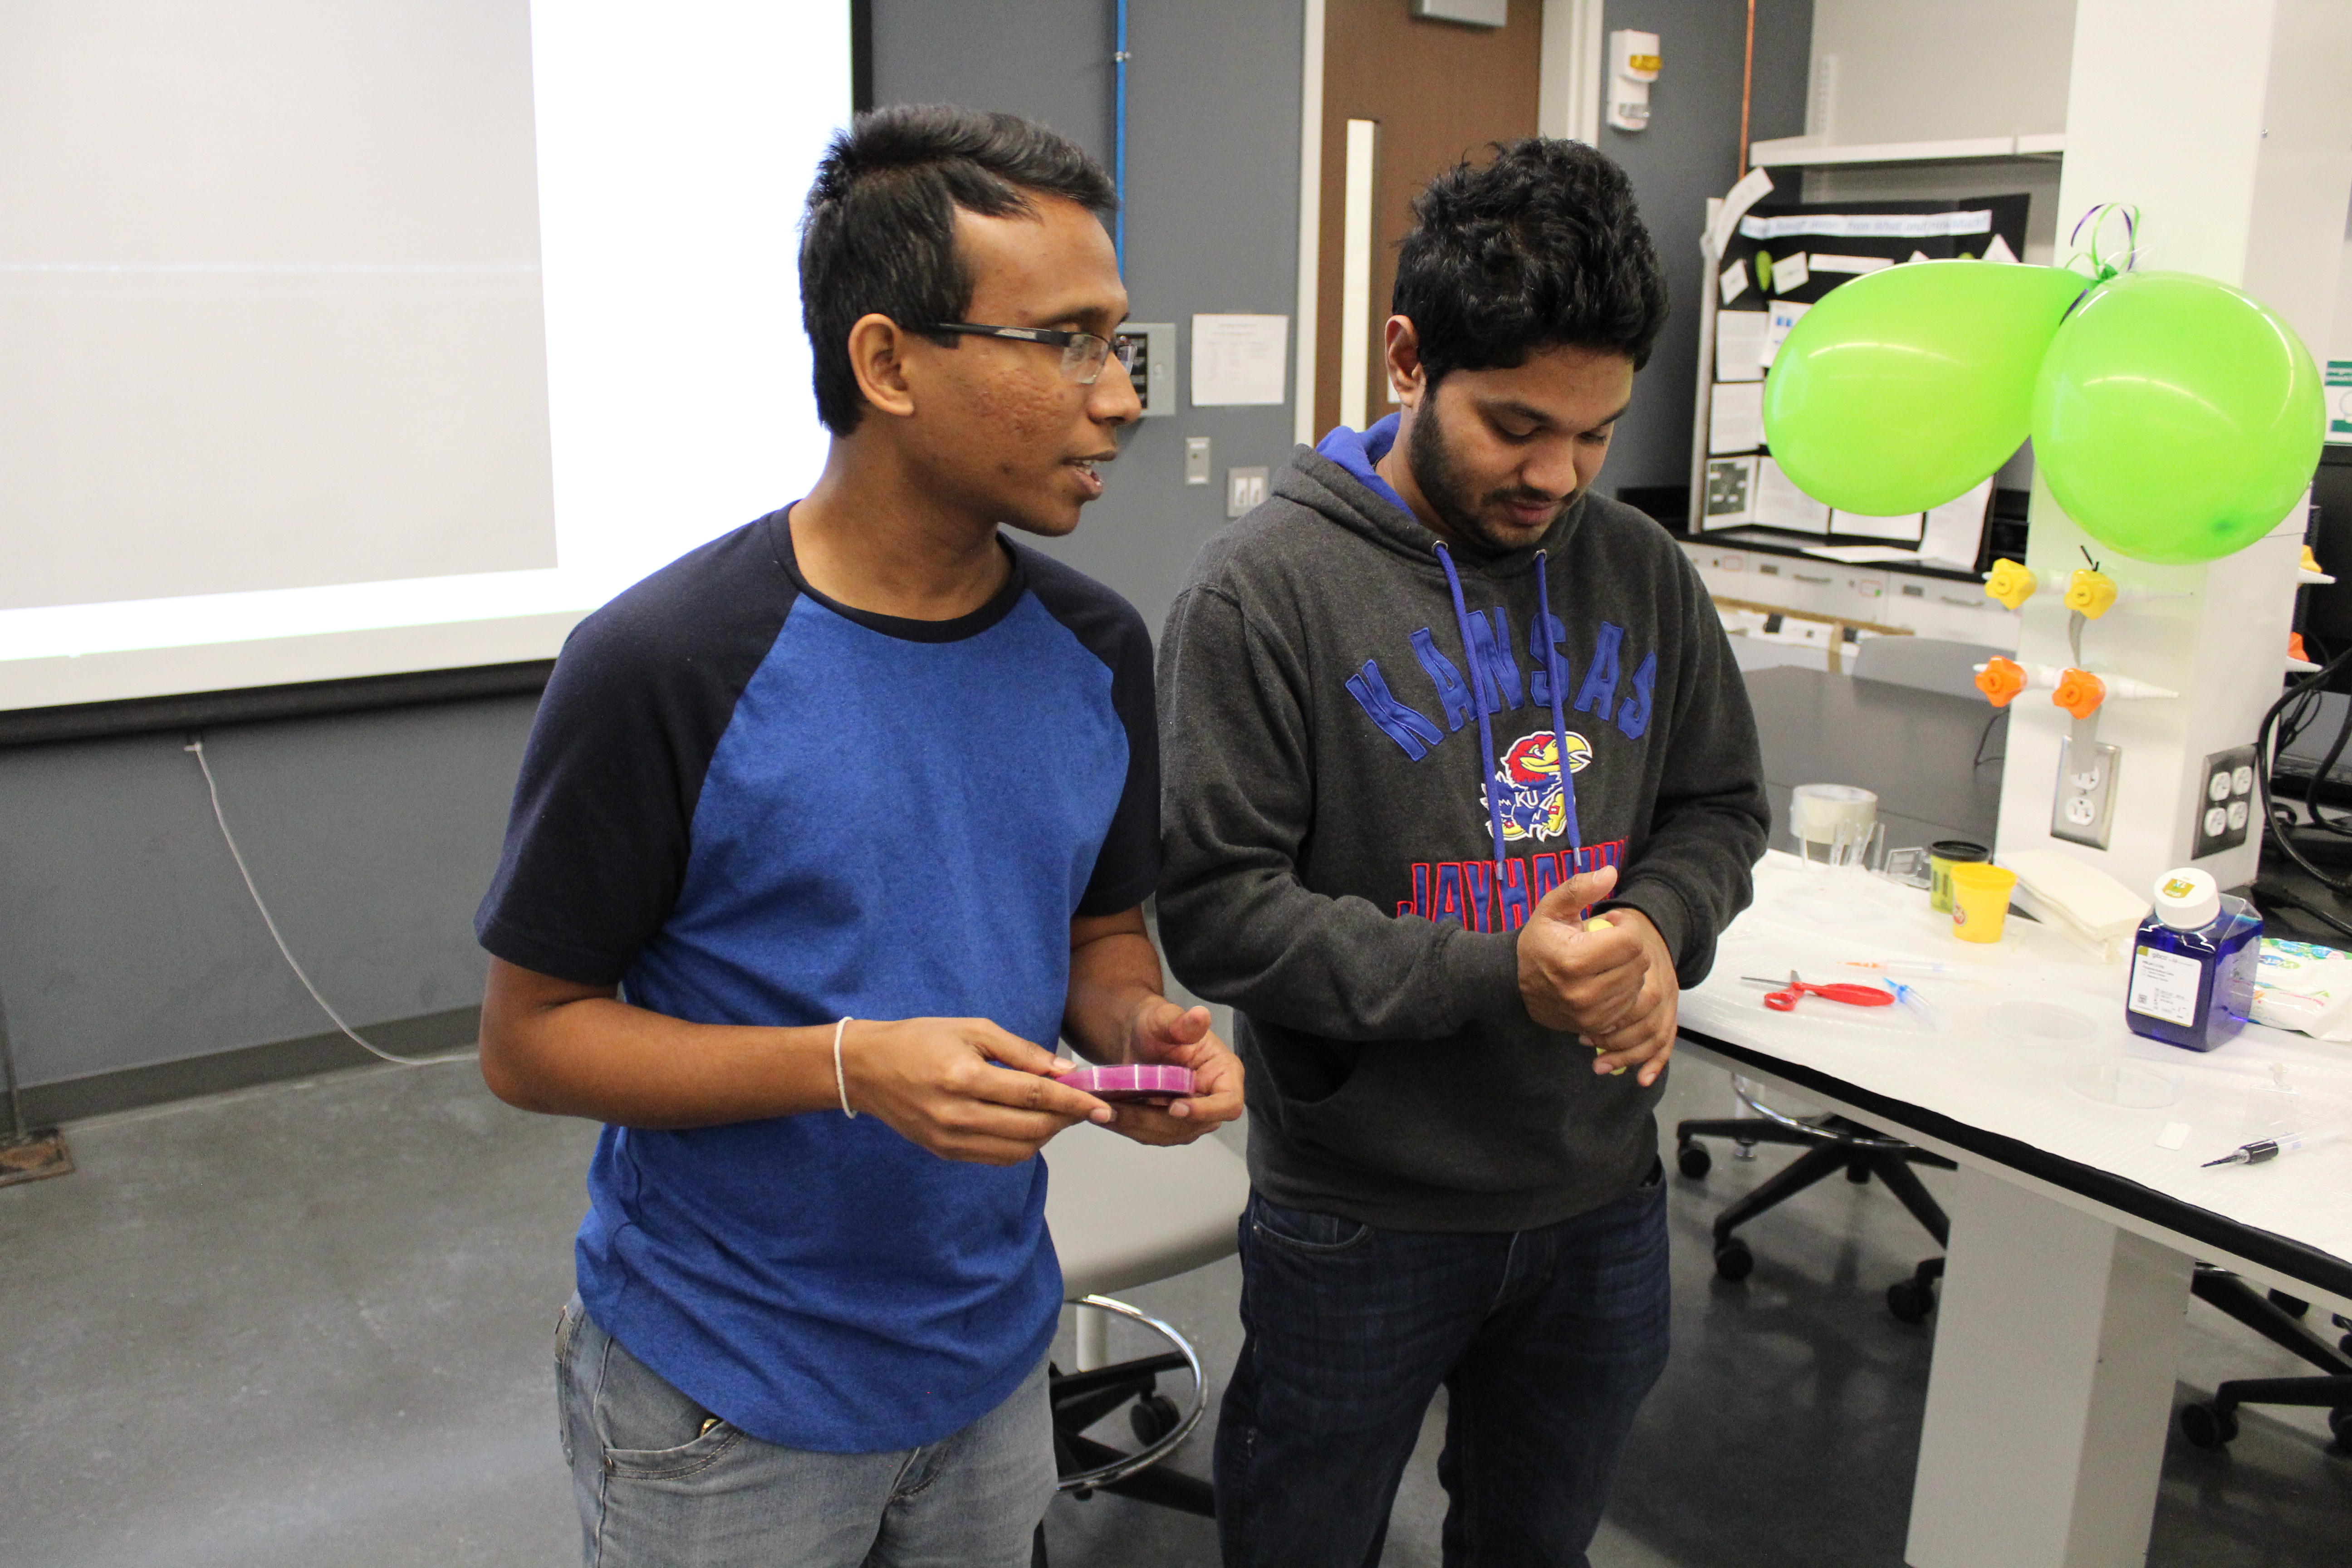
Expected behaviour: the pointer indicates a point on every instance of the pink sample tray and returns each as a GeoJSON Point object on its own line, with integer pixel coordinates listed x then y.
{"type": "Point", "coordinates": [1131, 1082]}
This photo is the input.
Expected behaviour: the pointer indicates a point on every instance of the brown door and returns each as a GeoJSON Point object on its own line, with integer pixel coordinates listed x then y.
{"type": "Point", "coordinates": [1436, 93]}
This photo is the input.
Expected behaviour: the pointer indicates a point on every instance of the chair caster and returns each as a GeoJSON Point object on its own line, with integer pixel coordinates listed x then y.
{"type": "Point", "coordinates": [1693, 1159]}
{"type": "Point", "coordinates": [2207, 1426]}
{"type": "Point", "coordinates": [1733, 1260]}
{"type": "Point", "coordinates": [2340, 1421]}
{"type": "Point", "coordinates": [1152, 1418]}
{"type": "Point", "coordinates": [2292, 1306]}
{"type": "Point", "coordinates": [1910, 1300]}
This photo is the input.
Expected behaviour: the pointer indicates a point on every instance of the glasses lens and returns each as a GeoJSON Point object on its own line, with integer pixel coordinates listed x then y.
{"type": "Point", "coordinates": [1083, 361]}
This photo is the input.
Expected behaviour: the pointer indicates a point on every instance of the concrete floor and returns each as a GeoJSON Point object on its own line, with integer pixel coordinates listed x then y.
{"type": "Point", "coordinates": [312, 1324]}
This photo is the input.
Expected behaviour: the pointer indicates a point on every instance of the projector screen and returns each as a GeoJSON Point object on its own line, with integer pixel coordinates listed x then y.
{"type": "Point", "coordinates": [356, 337]}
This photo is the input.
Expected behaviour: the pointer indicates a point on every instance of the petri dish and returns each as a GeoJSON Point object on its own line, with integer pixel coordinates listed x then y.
{"type": "Point", "coordinates": [2041, 1024]}
{"type": "Point", "coordinates": [2116, 1081]}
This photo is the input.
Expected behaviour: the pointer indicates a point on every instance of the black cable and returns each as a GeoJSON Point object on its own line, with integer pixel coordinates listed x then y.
{"type": "Point", "coordinates": [2319, 777]}
{"type": "Point", "coordinates": [2262, 754]}
{"type": "Point", "coordinates": [1986, 734]}
{"type": "Point", "coordinates": [2275, 894]}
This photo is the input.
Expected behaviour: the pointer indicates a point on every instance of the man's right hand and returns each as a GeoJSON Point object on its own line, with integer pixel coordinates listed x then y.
{"type": "Point", "coordinates": [961, 1088]}
{"type": "Point", "coordinates": [1577, 981]}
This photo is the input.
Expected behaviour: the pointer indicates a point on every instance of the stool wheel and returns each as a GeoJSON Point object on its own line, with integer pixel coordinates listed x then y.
{"type": "Point", "coordinates": [2340, 1421]}
{"type": "Point", "coordinates": [2207, 1426]}
{"type": "Point", "coordinates": [1733, 1260]}
{"type": "Point", "coordinates": [1910, 1301]}
{"type": "Point", "coordinates": [1693, 1159]}
{"type": "Point", "coordinates": [1152, 1418]}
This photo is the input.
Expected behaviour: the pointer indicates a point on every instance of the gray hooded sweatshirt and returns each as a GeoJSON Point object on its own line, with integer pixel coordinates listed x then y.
{"type": "Point", "coordinates": [1362, 730]}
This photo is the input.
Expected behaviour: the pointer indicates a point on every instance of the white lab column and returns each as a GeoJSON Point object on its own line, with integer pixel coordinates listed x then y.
{"type": "Point", "coordinates": [2055, 1348]}
{"type": "Point", "coordinates": [2225, 123]}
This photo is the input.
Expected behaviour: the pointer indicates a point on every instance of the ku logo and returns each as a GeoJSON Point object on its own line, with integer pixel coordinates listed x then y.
{"type": "Point", "coordinates": [1527, 782]}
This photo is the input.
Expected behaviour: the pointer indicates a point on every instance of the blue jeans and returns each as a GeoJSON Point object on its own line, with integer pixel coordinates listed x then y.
{"type": "Point", "coordinates": [661, 1480]}
{"type": "Point", "coordinates": [1546, 1342]}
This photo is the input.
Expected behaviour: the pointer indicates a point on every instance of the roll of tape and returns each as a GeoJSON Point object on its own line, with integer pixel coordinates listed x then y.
{"type": "Point", "coordinates": [1816, 811]}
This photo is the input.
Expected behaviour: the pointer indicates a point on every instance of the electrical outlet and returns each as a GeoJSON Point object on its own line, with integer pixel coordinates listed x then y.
{"type": "Point", "coordinates": [2085, 811]}
{"type": "Point", "coordinates": [2225, 802]}
{"type": "Point", "coordinates": [1196, 459]}
{"type": "Point", "coordinates": [1245, 489]}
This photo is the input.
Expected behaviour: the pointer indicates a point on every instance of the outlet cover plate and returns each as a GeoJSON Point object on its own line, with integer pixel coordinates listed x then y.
{"type": "Point", "coordinates": [1196, 459]}
{"type": "Point", "coordinates": [2225, 804]}
{"type": "Point", "coordinates": [1245, 490]}
{"type": "Point", "coordinates": [2084, 809]}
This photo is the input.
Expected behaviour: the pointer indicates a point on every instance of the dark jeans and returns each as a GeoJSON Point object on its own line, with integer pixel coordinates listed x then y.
{"type": "Point", "coordinates": [1546, 1342]}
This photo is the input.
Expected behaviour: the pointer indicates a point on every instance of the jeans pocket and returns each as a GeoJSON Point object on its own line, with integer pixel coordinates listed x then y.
{"type": "Point", "coordinates": [1306, 1231]}
{"type": "Point", "coordinates": [567, 1334]}
{"type": "Point", "coordinates": [647, 1429]}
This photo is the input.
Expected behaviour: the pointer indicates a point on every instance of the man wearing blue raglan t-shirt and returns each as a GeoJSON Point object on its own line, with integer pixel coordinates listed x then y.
{"type": "Point", "coordinates": [824, 830]}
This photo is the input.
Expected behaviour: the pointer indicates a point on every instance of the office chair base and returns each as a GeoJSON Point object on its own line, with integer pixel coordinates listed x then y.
{"type": "Point", "coordinates": [1081, 1398]}
{"type": "Point", "coordinates": [2214, 1424]}
{"type": "Point", "coordinates": [1831, 1145]}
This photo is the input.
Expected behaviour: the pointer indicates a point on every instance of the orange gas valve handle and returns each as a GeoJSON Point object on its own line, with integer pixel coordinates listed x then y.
{"type": "Point", "coordinates": [2079, 692]}
{"type": "Point", "coordinates": [2000, 680]}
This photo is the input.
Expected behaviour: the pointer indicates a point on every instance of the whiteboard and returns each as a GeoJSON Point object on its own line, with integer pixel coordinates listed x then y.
{"type": "Point", "coordinates": [352, 337]}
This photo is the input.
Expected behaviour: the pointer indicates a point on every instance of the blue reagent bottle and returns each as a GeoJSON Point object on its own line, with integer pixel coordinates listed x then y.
{"type": "Point", "coordinates": [2193, 969]}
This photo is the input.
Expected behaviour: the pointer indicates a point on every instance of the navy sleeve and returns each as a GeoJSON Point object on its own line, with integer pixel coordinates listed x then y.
{"type": "Point", "coordinates": [596, 844]}
{"type": "Point", "coordinates": [1128, 869]}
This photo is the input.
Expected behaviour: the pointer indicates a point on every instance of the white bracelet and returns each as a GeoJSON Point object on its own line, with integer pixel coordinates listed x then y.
{"type": "Point", "coordinates": [841, 1079]}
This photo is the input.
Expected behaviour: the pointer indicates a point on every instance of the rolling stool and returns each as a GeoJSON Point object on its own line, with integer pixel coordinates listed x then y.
{"type": "Point", "coordinates": [2278, 1319]}
{"type": "Point", "coordinates": [1124, 1214]}
{"type": "Point", "coordinates": [1832, 1144]}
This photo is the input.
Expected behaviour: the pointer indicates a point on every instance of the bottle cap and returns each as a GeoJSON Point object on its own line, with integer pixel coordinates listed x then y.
{"type": "Point", "coordinates": [2188, 899]}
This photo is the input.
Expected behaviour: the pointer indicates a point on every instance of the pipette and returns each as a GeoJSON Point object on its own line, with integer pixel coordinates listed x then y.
{"type": "Point", "coordinates": [1915, 1003]}
{"type": "Point", "coordinates": [1910, 966]}
{"type": "Point", "coordinates": [2266, 1149]}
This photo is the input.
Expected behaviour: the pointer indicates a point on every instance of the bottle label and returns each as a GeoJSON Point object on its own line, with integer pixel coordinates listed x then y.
{"type": "Point", "coordinates": [2164, 985]}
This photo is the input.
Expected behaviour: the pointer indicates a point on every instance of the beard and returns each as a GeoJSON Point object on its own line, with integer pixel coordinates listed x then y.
{"type": "Point", "coordinates": [1447, 489]}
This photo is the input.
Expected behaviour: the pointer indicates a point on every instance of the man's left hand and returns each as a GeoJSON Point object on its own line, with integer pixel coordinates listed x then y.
{"type": "Point", "coordinates": [1163, 1032]}
{"type": "Point", "coordinates": [1642, 1037]}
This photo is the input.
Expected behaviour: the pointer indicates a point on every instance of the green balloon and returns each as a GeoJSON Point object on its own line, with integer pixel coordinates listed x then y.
{"type": "Point", "coordinates": [2177, 419]}
{"type": "Point", "coordinates": [1910, 385]}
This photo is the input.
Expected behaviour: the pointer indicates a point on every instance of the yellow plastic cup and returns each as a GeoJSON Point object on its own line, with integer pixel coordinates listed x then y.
{"type": "Point", "coordinates": [1981, 901]}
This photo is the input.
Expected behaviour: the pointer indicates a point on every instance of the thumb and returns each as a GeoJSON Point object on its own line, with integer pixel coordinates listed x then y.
{"type": "Point", "coordinates": [1585, 888]}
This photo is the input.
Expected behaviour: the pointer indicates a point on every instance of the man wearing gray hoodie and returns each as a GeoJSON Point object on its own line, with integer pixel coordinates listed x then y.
{"type": "Point", "coordinates": [1461, 785]}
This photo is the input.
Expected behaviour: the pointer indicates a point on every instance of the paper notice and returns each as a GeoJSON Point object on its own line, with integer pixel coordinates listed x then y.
{"type": "Point", "coordinates": [1777, 322]}
{"type": "Point", "coordinates": [1734, 281]}
{"type": "Point", "coordinates": [1730, 492]}
{"type": "Point", "coordinates": [1780, 504]}
{"type": "Point", "coordinates": [1739, 345]}
{"type": "Point", "coordinates": [1734, 418]}
{"type": "Point", "coordinates": [1904, 527]}
{"type": "Point", "coordinates": [1790, 273]}
{"type": "Point", "coordinates": [1862, 554]}
{"type": "Point", "coordinates": [1238, 360]}
{"type": "Point", "coordinates": [1955, 530]}
{"type": "Point", "coordinates": [1999, 250]}
{"type": "Point", "coordinates": [1856, 264]}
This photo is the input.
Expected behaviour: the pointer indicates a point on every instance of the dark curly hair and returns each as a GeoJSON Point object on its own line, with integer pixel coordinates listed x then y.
{"type": "Point", "coordinates": [1542, 246]}
{"type": "Point", "coordinates": [878, 236]}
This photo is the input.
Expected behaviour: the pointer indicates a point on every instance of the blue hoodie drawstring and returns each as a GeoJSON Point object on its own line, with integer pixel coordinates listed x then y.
{"type": "Point", "coordinates": [1552, 673]}
{"type": "Point", "coordinates": [1488, 786]}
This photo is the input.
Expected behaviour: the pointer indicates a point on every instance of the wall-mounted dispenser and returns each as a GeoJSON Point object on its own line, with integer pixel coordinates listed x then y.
{"type": "Point", "coordinates": [1632, 66]}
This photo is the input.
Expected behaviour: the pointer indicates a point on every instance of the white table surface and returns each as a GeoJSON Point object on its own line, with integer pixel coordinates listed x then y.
{"type": "Point", "coordinates": [1997, 1103]}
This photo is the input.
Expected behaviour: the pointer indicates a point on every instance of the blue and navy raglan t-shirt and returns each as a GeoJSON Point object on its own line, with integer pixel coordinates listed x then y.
{"type": "Point", "coordinates": [747, 803]}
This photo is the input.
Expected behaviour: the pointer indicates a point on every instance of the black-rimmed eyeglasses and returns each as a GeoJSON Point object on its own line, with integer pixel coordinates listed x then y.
{"type": "Point", "coordinates": [1083, 354]}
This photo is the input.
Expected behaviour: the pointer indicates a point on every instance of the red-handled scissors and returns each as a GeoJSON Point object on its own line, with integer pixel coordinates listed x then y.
{"type": "Point", "coordinates": [1852, 996]}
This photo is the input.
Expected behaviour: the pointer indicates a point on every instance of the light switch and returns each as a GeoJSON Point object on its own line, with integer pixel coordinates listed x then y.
{"type": "Point", "coordinates": [1245, 489]}
{"type": "Point", "coordinates": [1196, 459]}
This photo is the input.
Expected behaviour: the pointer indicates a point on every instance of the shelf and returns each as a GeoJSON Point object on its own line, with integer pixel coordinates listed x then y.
{"type": "Point", "coordinates": [1804, 152]}
{"type": "Point", "coordinates": [1780, 544]}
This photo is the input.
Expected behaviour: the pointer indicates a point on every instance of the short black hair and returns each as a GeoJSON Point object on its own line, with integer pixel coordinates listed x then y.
{"type": "Point", "coordinates": [1540, 247]}
{"type": "Point", "coordinates": [878, 236]}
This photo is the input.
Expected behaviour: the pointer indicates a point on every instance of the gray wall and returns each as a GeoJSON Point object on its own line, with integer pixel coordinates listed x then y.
{"type": "Point", "coordinates": [126, 938]}
{"type": "Point", "coordinates": [1213, 223]}
{"type": "Point", "coordinates": [1690, 152]}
